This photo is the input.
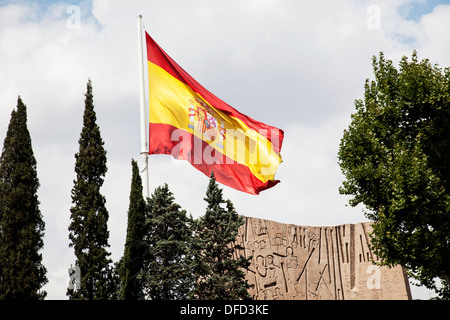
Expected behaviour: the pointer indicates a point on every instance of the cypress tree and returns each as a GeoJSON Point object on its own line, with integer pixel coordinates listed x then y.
{"type": "Point", "coordinates": [220, 277]}
{"type": "Point", "coordinates": [88, 230]}
{"type": "Point", "coordinates": [167, 274]}
{"type": "Point", "coordinates": [22, 274]}
{"type": "Point", "coordinates": [133, 257]}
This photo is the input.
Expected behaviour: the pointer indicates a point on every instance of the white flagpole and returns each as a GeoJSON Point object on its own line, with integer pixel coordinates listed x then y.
{"type": "Point", "coordinates": [144, 120]}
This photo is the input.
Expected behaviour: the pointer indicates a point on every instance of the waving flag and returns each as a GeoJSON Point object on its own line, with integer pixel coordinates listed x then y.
{"type": "Point", "coordinates": [190, 123]}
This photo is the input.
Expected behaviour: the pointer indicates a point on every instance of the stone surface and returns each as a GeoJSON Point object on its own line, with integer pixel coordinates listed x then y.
{"type": "Point", "coordinates": [315, 263]}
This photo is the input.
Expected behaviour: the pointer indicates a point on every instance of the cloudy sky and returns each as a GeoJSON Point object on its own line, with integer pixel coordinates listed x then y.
{"type": "Point", "coordinates": [296, 65]}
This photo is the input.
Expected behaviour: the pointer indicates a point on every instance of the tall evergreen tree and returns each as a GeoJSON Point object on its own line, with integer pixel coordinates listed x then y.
{"type": "Point", "coordinates": [22, 274]}
{"type": "Point", "coordinates": [167, 274]}
{"type": "Point", "coordinates": [133, 257]}
{"type": "Point", "coordinates": [88, 230]}
{"type": "Point", "coordinates": [220, 276]}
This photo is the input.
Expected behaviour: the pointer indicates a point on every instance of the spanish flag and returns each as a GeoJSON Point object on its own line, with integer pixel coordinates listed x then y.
{"type": "Point", "coordinates": [190, 123]}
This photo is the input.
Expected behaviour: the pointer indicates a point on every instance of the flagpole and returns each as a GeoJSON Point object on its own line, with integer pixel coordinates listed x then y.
{"type": "Point", "coordinates": [144, 123]}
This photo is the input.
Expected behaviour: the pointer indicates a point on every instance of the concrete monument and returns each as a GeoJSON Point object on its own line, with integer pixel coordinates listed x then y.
{"type": "Point", "coordinates": [291, 262]}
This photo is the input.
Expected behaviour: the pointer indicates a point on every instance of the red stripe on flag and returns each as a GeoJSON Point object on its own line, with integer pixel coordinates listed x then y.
{"type": "Point", "coordinates": [181, 144]}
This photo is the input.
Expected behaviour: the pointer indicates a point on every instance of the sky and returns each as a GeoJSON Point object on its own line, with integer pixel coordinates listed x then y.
{"type": "Point", "coordinates": [295, 65]}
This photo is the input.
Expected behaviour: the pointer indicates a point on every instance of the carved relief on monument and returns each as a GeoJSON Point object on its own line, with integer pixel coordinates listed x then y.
{"type": "Point", "coordinates": [315, 263]}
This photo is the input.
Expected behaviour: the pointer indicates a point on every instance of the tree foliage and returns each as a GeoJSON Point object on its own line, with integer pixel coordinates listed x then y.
{"type": "Point", "coordinates": [395, 156]}
{"type": "Point", "coordinates": [166, 274]}
{"type": "Point", "coordinates": [220, 275]}
{"type": "Point", "coordinates": [135, 246]}
{"type": "Point", "coordinates": [22, 274]}
{"type": "Point", "coordinates": [88, 230]}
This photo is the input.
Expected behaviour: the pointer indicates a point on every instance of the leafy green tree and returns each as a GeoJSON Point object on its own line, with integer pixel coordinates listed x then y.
{"type": "Point", "coordinates": [395, 156]}
{"type": "Point", "coordinates": [88, 230]}
{"type": "Point", "coordinates": [166, 273]}
{"type": "Point", "coordinates": [22, 274]}
{"type": "Point", "coordinates": [135, 246]}
{"type": "Point", "coordinates": [220, 276]}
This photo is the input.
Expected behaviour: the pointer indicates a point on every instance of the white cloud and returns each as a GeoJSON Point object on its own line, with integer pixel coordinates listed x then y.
{"type": "Point", "coordinates": [295, 65]}
{"type": "Point", "coordinates": [434, 42]}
